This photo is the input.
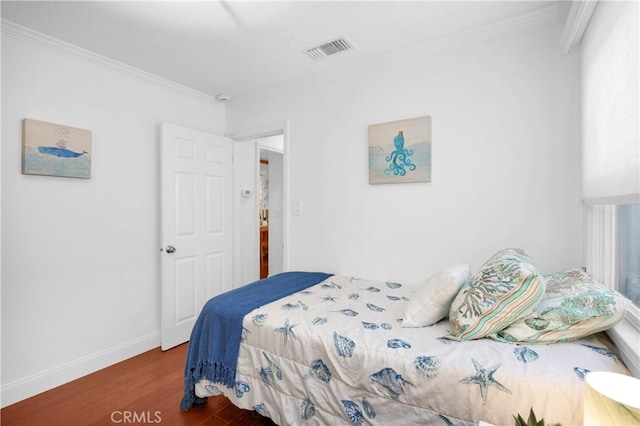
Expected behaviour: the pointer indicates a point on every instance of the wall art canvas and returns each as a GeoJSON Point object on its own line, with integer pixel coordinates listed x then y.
{"type": "Point", "coordinates": [400, 151]}
{"type": "Point", "coordinates": [55, 150]}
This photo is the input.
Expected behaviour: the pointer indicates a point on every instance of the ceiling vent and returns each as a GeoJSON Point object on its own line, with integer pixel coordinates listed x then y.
{"type": "Point", "coordinates": [329, 48]}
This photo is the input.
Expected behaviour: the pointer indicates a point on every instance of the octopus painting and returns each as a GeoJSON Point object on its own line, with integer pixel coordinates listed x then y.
{"type": "Point", "coordinates": [399, 159]}
{"type": "Point", "coordinates": [408, 158]}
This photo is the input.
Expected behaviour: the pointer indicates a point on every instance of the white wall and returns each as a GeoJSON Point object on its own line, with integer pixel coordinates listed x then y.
{"type": "Point", "coordinates": [505, 157]}
{"type": "Point", "coordinates": [80, 265]}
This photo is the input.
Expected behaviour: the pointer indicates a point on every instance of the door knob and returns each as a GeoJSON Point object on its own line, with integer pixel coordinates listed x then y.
{"type": "Point", "coordinates": [171, 249]}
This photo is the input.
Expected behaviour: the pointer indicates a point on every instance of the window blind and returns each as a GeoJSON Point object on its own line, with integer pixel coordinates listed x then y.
{"type": "Point", "coordinates": [610, 105]}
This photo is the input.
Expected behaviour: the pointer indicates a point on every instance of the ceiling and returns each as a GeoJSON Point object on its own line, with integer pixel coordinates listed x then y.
{"type": "Point", "coordinates": [242, 47]}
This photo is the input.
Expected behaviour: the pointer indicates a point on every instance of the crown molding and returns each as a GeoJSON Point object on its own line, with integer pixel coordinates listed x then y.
{"type": "Point", "coordinates": [11, 29]}
{"type": "Point", "coordinates": [577, 22]}
{"type": "Point", "coordinates": [537, 16]}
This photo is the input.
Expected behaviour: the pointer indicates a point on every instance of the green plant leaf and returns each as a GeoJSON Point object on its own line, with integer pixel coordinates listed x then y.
{"type": "Point", "coordinates": [531, 421]}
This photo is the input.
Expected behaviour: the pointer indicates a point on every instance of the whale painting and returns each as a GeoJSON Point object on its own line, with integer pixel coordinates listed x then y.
{"type": "Point", "coordinates": [400, 151]}
{"type": "Point", "coordinates": [59, 152]}
{"type": "Point", "coordinates": [55, 150]}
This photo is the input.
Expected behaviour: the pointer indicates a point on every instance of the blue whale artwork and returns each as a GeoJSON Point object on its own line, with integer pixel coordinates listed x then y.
{"type": "Point", "coordinates": [50, 149]}
{"type": "Point", "coordinates": [59, 152]}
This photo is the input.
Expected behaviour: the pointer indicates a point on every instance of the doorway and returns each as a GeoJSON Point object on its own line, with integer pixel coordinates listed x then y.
{"type": "Point", "coordinates": [256, 256]}
{"type": "Point", "coordinates": [270, 208]}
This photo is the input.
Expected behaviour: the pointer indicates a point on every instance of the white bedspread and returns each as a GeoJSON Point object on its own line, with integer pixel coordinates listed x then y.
{"type": "Point", "coordinates": [337, 354]}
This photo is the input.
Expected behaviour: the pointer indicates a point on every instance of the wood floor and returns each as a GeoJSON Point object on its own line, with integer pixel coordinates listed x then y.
{"type": "Point", "coordinates": [146, 389]}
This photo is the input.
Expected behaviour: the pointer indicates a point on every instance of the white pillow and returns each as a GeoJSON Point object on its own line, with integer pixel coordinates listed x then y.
{"type": "Point", "coordinates": [432, 301]}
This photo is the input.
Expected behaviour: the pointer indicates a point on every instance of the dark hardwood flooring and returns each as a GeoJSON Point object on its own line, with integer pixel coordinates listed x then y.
{"type": "Point", "coordinates": [145, 389]}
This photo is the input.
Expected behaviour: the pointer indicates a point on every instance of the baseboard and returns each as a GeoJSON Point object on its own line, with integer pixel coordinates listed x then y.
{"type": "Point", "coordinates": [49, 379]}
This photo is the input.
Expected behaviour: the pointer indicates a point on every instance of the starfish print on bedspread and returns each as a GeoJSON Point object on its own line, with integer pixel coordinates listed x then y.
{"type": "Point", "coordinates": [484, 378]}
{"type": "Point", "coordinates": [286, 330]}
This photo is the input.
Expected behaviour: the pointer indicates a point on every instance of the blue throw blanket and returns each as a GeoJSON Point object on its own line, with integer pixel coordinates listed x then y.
{"type": "Point", "coordinates": [215, 339]}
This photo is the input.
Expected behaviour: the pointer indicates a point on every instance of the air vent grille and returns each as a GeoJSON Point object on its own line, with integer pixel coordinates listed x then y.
{"type": "Point", "coordinates": [329, 48]}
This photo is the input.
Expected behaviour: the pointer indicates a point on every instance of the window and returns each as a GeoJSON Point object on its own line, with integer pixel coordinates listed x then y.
{"type": "Point", "coordinates": [629, 251]}
{"type": "Point", "coordinates": [613, 258]}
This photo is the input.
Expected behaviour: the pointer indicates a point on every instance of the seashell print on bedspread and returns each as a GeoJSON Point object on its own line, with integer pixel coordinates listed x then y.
{"type": "Point", "coordinates": [337, 354]}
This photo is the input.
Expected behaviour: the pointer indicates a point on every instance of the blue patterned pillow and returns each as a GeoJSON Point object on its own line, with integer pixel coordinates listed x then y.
{"type": "Point", "coordinates": [506, 288]}
{"type": "Point", "coordinates": [573, 306]}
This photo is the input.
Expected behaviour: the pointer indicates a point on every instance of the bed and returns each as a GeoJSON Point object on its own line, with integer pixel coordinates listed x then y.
{"type": "Point", "coordinates": [334, 351]}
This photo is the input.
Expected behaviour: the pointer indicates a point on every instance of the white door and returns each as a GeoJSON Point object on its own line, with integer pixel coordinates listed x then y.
{"type": "Point", "coordinates": [196, 227]}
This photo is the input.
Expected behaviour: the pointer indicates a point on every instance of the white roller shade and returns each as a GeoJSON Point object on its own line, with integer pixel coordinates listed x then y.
{"type": "Point", "coordinates": [610, 111]}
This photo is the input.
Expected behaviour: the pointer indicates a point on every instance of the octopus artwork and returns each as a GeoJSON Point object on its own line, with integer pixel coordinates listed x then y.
{"type": "Point", "coordinates": [399, 159]}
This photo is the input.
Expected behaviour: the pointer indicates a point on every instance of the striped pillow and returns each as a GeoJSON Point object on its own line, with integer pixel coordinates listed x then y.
{"type": "Point", "coordinates": [573, 306]}
{"type": "Point", "coordinates": [506, 288]}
